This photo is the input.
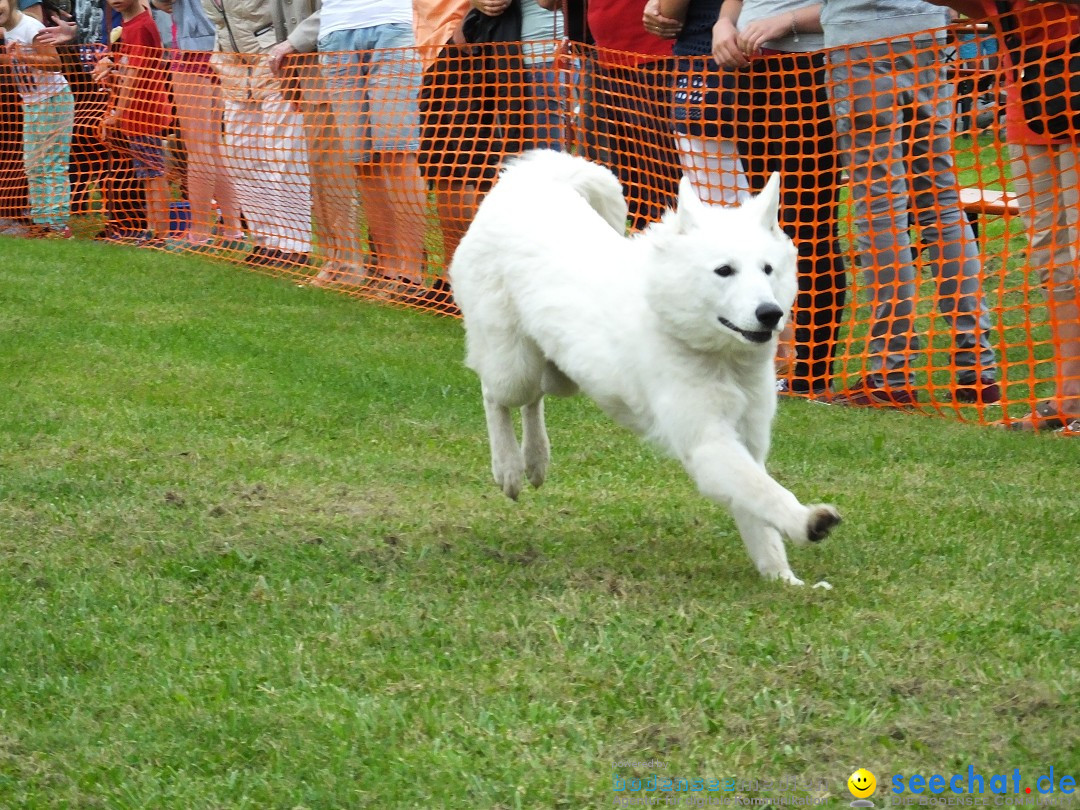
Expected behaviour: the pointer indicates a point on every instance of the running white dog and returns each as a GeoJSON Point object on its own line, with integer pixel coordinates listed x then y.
{"type": "Point", "coordinates": [671, 332]}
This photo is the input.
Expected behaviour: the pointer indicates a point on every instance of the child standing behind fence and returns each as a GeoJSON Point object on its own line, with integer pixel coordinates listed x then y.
{"type": "Point", "coordinates": [48, 112]}
{"type": "Point", "coordinates": [138, 83]}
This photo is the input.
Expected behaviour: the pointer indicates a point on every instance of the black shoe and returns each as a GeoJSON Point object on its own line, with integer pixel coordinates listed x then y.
{"type": "Point", "coordinates": [438, 297]}
{"type": "Point", "coordinates": [275, 259]}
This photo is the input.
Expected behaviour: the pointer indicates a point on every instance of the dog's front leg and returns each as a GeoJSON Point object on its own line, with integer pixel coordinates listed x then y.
{"type": "Point", "coordinates": [724, 470]}
{"type": "Point", "coordinates": [766, 548]}
{"type": "Point", "coordinates": [507, 460]}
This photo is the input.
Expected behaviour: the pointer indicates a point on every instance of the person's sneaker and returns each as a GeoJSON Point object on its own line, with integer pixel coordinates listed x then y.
{"type": "Point", "coordinates": [863, 394]}
{"type": "Point", "coordinates": [63, 232]}
{"type": "Point", "coordinates": [985, 391]}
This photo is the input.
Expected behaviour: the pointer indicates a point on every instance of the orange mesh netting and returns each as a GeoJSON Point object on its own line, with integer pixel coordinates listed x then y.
{"type": "Point", "coordinates": [938, 262]}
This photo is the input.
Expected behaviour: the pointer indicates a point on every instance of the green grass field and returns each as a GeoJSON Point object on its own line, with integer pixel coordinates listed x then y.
{"type": "Point", "coordinates": [251, 557]}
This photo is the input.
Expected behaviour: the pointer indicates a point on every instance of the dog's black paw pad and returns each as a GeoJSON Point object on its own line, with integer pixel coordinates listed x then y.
{"type": "Point", "coordinates": [822, 521]}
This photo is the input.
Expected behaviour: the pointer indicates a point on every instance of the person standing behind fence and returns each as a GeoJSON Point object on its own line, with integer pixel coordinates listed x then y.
{"type": "Point", "coordinates": [1045, 177]}
{"type": "Point", "coordinates": [630, 107]}
{"type": "Point", "coordinates": [703, 103]}
{"type": "Point", "coordinates": [479, 106]}
{"type": "Point", "coordinates": [372, 76]}
{"type": "Point", "coordinates": [333, 190]}
{"type": "Point", "coordinates": [48, 113]}
{"type": "Point", "coordinates": [199, 112]}
{"type": "Point", "coordinates": [264, 137]}
{"type": "Point", "coordinates": [783, 123]}
{"type": "Point", "coordinates": [894, 110]}
{"type": "Point", "coordinates": [141, 112]}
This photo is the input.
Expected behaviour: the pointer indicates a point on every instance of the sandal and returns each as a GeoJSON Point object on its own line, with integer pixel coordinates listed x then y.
{"type": "Point", "coordinates": [1045, 417]}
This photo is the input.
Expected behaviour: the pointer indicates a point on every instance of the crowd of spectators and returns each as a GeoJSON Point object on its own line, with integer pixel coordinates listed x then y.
{"type": "Point", "coordinates": [312, 133]}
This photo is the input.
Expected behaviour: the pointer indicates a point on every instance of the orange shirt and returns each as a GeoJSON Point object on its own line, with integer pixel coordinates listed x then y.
{"type": "Point", "coordinates": [1052, 24]}
{"type": "Point", "coordinates": [434, 21]}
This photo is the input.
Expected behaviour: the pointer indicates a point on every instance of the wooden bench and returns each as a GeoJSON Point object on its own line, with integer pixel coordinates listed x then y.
{"type": "Point", "coordinates": [987, 202]}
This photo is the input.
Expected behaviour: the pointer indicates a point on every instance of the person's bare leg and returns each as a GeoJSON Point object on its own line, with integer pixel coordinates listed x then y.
{"type": "Point", "coordinates": [406, 197]}
{"type": "Point", "coordinates": [157, 205]}
{"type": "Point", "coordinates": [380, 218]}
{"type": "Point", "coordinates": [1065, 324]}
{"type": "Point", "coordinates": [456, 203]}
{"type": "Point", "coordinates": [193, 95]}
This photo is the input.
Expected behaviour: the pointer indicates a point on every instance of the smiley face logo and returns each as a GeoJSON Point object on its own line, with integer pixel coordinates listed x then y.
{"type": "Point", "coordinates": [862, 784]}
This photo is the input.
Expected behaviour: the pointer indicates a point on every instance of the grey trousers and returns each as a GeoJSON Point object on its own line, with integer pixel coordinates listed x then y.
{"type": "Point", "coordinates": [894, 113]}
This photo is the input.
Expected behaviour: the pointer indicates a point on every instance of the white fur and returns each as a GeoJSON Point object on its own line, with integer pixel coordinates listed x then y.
{"type": "Point", "coordinates": [555, 296]}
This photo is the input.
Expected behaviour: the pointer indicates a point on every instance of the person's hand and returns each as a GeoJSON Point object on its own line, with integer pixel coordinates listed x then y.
{"type": "Point", "coordinates": [102, 73]}
{"type": "Point", "coordinates": [62, 33]}
{"type": "Point", "coordinates": [656, 23]}
{"type": "Point", "coordinates": [493, 8]}
{"type": "Point", "coordinates": [726, 48]}
{"type": "Point", "coordinates": [162, 5]}
{"type": "Point", "coordinates": [278, 53]}
{"type": "Point", "coordinates": [754, 36]}
{"type": "Point", "coordinates": [109, 127]}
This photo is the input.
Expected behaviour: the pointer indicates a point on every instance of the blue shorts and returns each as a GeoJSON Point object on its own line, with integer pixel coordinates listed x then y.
{"type": "Point", "coordinates": [148, 156]}
{"type": "Point", "coordinates": [373, 79]}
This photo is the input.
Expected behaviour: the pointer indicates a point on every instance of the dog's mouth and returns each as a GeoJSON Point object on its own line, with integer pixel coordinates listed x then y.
{"type": "Point", "coordinates": [753, 337]}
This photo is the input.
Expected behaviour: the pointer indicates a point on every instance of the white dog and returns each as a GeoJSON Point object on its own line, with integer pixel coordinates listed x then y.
{"type": "Point", "coordinates": [672, 332]}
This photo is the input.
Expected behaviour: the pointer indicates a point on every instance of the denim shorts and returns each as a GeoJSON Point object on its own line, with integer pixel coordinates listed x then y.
{"type": "Point", "coordinates": [147, 155]}
{"type": "Point", "coordinates": [373, 76]}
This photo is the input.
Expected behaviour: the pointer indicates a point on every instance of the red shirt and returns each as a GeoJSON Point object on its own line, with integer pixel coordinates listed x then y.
{"type": "Point", "coordinates": [616, 26]}
{"type": "Point", "coordinates": [143, 66]}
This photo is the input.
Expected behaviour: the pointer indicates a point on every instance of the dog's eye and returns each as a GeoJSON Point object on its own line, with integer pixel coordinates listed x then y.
{"type": "Point", "coordinates": [767, 269]}
{"type": "Point", "coordinates": [724, 271]}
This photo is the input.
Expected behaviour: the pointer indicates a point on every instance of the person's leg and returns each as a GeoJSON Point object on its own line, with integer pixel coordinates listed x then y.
{"type": "Point", "coordinates": [284, 175]}
{"type": "Point", "coordinates": [333, 191]}
{"type": "Point", "coordinates": [35, 148]}
{"type": "Point", "coordinates": [811, 181]}
{"type": "Point", "coordinates": [396, 185]}
{"type": "Point", "coordinates": [643, 152]}
{"type": "Point", "coordinates": [59, 116]}
{"type": "Point", "coordinates": [157, 204]}
{"type": "Point", "coordinates": [456, 201]}
{"type": "Point", "coordinates": [224, 190]}
{"type": "Point", "coordinates": [193, 94]}
{"type": "Point", "coordinates": [867, 85]}
{"type": "Point", "coordinates": [1045, 180]}
{"type": "Point", "coordinates": [952, 249]}
{"type": "Point", "coordinates": [243, 133]}
{"type": "Point", "coordinates": [544, 120]}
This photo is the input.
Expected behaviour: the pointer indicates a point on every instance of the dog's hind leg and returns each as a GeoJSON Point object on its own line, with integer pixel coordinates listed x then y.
{"type": "Point", "coordinates": [507, 461]}
{"type": "Point", "coordinates": [534, 442]}
{"type": "Point", "coordinates": [766, 548]}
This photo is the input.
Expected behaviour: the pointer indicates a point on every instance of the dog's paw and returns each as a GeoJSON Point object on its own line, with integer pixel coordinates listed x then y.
{"type": "Point", "coordinates": [537, 458]}
{"type": "Point", "coordinates": [820, 521]}
{"type": "Point", "coordinates": [536, 472]}
{"type": "Point", "coordinates": [787, 577]}
{"type": "Point", "coordinates": [510, 479]}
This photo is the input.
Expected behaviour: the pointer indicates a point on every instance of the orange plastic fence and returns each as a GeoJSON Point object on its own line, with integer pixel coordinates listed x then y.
{"type": "Point", "coordinates": [938, 262]}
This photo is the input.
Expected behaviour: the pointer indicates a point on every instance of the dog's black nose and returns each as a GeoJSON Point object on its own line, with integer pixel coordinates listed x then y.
{"type": "Point", "coordinates": [769, 315]}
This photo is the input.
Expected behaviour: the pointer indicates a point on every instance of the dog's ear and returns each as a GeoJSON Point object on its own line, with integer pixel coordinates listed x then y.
{"type": "Point", "coordinates": [690, 209]}
{"type": "Point", "coordinates": [766, 205]}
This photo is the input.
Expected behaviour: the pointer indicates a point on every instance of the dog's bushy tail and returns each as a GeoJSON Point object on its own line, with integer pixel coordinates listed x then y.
{"type": "Point", "coordinates": [600, 188]}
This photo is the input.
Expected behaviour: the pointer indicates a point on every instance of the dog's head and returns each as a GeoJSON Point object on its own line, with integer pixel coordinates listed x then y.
{"type": "Point", "coordinates": [723, 276]}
